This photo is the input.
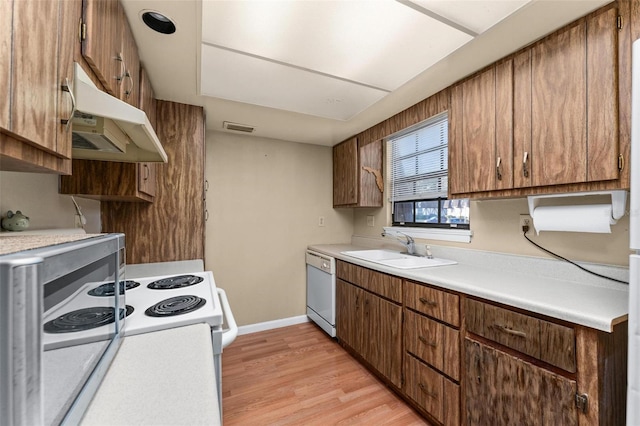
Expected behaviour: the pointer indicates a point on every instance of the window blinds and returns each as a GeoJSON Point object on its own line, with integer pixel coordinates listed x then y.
{"type": "Point", "coordinates": [419, 161]}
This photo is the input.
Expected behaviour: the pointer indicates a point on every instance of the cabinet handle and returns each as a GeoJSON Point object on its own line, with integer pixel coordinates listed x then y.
{"type": "Point", "coordinates": [525, 165]}
{"type": "Point", "coordinates": [66, 88]}
{"type": "Point", "coordinates": [146, 172]}
{"type": "Point", "coordinates": [123, 67]}
{"type": "Point", "coordinates": [206, 215]}
{"type": "Point", "coordinates": [430, 343]}
{"type": "Point", "coordinates": [498, 172]}
{"type": "Point", "coordinates": [427, 302]}
{"type": "Point", "coordinates": [507, 330]}
{"type": "Point", "coordinates": [426, 390]}
{"type": "Point", "coordinates": [128, 91]}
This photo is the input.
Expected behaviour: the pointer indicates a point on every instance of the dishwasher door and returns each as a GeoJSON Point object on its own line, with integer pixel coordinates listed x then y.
{"type": "Point", "coordinates": [321, 291]}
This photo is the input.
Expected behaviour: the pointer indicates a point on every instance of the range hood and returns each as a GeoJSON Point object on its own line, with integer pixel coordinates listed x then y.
{"type": "Point", "coordinates": [106, 128]}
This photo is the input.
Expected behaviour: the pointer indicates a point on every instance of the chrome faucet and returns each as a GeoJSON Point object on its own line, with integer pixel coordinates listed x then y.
{"type": "Point", "coordinates": [410, 243]}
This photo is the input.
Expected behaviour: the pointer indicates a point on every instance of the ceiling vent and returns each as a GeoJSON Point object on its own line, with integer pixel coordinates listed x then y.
{"type": "Point", "coordinates": [238, 127]}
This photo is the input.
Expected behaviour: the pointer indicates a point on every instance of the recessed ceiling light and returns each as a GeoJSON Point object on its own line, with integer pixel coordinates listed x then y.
{"type": "Point", "coordinates": [158, 22]}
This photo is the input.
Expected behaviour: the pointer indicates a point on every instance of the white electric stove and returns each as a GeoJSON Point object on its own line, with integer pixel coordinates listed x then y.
{"type": "Point", "coordinates": [149, 304]}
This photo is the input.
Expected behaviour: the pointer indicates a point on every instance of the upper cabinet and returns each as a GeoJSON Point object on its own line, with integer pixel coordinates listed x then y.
{"type": "Point", "coordinates": [35, 68]}
{"type": "Point", "coordinates": [481, 122]}
{"type": "Point", "coordinates": [357, 174]}
{"type": "Point", "coordinates": [109, 48]}
{"type": "Point", "coordinates": [574, 103]}
{"type": "Point", "coordinates": [546, 119]}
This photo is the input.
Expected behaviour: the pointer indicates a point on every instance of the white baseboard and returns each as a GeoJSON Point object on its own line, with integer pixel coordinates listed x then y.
{"type": "Point", "coordinates": [269, 325]}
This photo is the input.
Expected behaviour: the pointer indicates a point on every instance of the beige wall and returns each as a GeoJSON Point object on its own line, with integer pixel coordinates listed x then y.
{"type": "Point", "coordinates": [36, 196]}
{"type": "Point", "coordinates": [264, 201]}
{"type": "Point", "coordinates": [496, 227]}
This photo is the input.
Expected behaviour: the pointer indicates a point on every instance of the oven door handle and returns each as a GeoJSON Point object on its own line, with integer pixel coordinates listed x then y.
{"type": "Point", "coordinates": [229, 335]}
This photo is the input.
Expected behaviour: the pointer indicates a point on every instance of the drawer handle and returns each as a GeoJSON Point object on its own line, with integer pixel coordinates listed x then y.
{"type": "Point", "coordinates": [424, 340]}
{"type": "Point", "coordinates": [427, 302]}
{"type": "Point", "coordinates": [510, 331]}
{"type": "Point", "coordinates": [424, 389]}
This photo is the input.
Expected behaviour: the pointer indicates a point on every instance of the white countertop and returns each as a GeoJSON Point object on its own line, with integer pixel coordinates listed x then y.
{"type": "Point", "coordinates": [544, 286]}
{"type": "Point", "coordinates": [161, 378]}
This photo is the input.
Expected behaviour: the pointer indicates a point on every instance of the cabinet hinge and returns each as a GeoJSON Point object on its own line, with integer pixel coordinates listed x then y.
{"type": "Point", "coordinates": [582, 402]}
{"type": "Point", "coordinates": [619, 22]}
{"type": "Point", "coordinates": [82, 31]}
{"type": "Point", "coordinates": [620, 162]}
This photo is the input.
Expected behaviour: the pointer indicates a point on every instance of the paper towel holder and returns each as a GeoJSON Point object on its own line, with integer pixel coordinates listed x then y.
{"type": "Point", "coordinates": [618, 201]}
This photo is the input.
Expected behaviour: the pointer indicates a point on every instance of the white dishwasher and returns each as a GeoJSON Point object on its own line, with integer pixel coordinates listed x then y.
{"type": "Point", "coordinates": [321, 291]}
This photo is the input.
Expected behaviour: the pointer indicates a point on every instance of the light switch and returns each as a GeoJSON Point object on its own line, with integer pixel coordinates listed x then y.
{"type": "Point", "coordinates": [321, 221]}
{"type": "Point", "coordinates": [371, 220]}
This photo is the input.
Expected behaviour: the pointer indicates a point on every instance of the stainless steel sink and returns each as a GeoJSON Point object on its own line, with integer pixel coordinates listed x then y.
{"type": "Point", "coordinates": [398, 260]}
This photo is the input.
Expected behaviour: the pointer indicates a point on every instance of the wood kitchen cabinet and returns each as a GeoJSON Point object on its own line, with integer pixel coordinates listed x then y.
{"type": "Point", "coordinates": [432, 351]}
{"type": "Point", "coordinates": [367, 322]}
{"type": "Point", "coordinates": [36, 63]}
{"type": "Point", "coordinates": [357, 174]}
{"type": "Point", "coordinates": [517, 391]}
{"type": "Point", "coordinates": [574, 104]}
{"type": "Point", "coordinates": [533, 371]}
{"type": "Point", "coordinates": [481, 123]}
{"type": "Point", "coordinates": [552, 117]}
{"type": "Point", "coordinates": [109, 48]}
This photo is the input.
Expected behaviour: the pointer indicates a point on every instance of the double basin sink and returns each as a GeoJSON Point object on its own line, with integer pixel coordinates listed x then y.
{"type": "Point", "coordinates": [398, 260]}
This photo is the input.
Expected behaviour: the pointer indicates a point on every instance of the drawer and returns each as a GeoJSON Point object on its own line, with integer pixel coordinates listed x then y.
{"type": "Point", "coordinates": [544, 340]}
{"type": "Point", "coordinates": [376, 282]}
{"type": "Point", "coordinates": [435, 303]}
{"type": "Point", "coordinates": [381, 284]}
{"type": "Point", "coordinates": [433, 342]}
{"type": "Point", "coordinates": [433, 392]}
{"type": "Point", "coordinates": [345, 271]}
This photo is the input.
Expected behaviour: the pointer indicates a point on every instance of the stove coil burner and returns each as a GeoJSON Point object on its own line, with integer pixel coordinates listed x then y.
{"type": "Point", "coordinates": [175, 306]}
{"type": "Point", "coordinates": [108, 289]}
{"type": "Point", "coordinates": [178, 281]}
{"type": "Point", "coordinates": [84, 319]}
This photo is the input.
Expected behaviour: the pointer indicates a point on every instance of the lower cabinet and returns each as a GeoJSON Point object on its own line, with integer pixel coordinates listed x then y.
{"type": "Point", "coordinates": [459, 360]}
{"type": "Point", "coordinates": [372, 327]}
{"type": "Point", "coordinates": [502, 389]}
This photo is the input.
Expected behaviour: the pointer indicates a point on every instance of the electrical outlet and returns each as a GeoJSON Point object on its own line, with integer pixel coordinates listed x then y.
{"type": "Point", "coordinates": [371, 220]}
{"type": "Point", "coordinates": [321, 221]}
{"type": "Point", "coordinates": [525, 220]}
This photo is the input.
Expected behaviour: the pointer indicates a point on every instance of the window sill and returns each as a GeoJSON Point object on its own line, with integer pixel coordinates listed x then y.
{"type": "Point", "coordinates": [456, 235]}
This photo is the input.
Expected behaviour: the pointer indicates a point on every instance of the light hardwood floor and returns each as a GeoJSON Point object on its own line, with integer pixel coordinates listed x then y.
{"type": "Point", "coordinates": [297, 375]}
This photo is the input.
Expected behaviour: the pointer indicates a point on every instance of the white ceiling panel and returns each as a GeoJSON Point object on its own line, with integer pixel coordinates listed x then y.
{"type": "Point", "coordinates": [233, 76]}
{"type": "Point", "coordinates": [477, 15]}
{"type": "Point", "coordinates": [379, 43]}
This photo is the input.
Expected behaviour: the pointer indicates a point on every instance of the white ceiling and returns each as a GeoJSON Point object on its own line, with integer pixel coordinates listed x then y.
{"type": "Point", "coordinates": [319, 71]}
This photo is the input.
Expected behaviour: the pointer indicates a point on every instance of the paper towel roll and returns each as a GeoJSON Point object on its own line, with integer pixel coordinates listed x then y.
{"type": "Point", "coordinates": [587, 218]}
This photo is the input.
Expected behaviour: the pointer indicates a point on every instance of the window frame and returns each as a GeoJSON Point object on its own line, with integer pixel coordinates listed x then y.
{"type": "Point", "coordinates": [440, 197]}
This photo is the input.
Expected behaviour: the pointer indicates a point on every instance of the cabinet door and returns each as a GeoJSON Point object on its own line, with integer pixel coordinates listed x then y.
{"type": "Point", "coordinates": [505, 390]}
{"type": "Point", "coordinates": [6, 19]}
{"type": "Point", "coordinates": [479, 130]}
{"type": "Point", "coordinates": [603, 146]}
{"type": "Point", "coordinates": [349, 320]}
{"type": "Point", "coordinates": [559, 113]}
{"type": "Point", "coordinates": [102, 43]}
{"type": "Point", "coordinates": [130, 83]}
{"type": "Point", "coordinates": [345, 173]}
{"type": "Point", "coordinates": [370, 171]}
{"type": "Point", "coordinates": [383, 336]}
{"type": "Point", "coordinates": [34, 73]}
{"type": "Point", "coordinates": [147, 178]}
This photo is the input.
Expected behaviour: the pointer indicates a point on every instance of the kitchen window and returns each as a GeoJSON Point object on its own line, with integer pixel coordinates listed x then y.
{"type": "Point", "coordinates": [418, 160]}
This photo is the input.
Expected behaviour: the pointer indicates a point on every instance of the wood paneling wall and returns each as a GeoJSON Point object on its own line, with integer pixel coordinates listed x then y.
{"type": "Point", "coordinates": [172, 227]}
